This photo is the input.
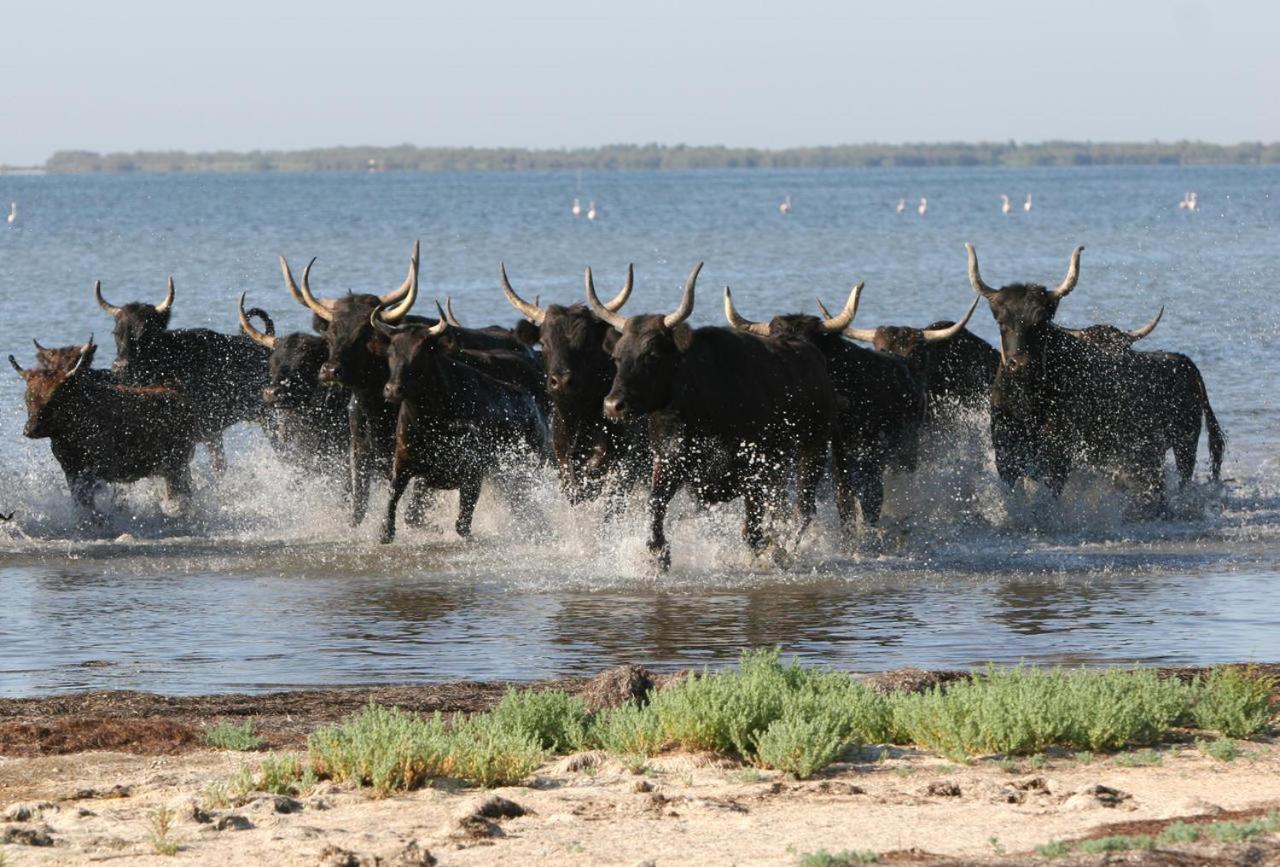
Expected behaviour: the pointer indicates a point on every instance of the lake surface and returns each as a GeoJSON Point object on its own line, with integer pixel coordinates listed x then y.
{"type": "Point", "coordinates": [263, 586]}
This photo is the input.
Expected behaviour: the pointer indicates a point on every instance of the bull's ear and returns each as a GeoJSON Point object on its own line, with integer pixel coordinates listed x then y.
{"type": "Point", "coordinates": [611, 338]}
{"type": "Point", "coordinates": [527, 333]}
{"type": "Point", "coordinates": [683, 336]}
{"type": "Point", "coordinates": [318, 325]}
{"type": "Point", "coordinates": [447, 343]}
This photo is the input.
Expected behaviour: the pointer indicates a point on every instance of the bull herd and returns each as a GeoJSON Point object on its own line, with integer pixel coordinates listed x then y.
{"type": "Point", "coordinates": [756, 410]}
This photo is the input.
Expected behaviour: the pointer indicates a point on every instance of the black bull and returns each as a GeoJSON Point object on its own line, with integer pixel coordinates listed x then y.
{"type": "Point", "coordinates": [730, 414]}
{"type": "Point", "coordinates": [102, 431]}
{"type": "Point", "coordinates": [221, 375]}
{"type": "Point", "coordinates": [1060, 400]}
{"type": "Point", "coordinates": [591, 452]}
{"type": "Point", "coordinates": [880, 404]}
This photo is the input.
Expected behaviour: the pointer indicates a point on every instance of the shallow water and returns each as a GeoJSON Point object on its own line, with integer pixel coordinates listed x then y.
{"type": "Point", "coordinates": [263, 586]}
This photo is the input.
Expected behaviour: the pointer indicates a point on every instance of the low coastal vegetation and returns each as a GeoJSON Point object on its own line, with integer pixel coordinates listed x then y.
{"type": "Point", "coordinates": [1174, 834]}
{"type": "Point", "coordinates": [407, 157]}
{"type": "Point", "coordinates": [239, 737]}
{"type": "Point", "coordinates": [790, 718]}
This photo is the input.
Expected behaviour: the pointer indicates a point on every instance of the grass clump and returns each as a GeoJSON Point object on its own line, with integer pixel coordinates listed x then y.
{"type": "Point", "coordinates": [1178, 832]}
{"type": "Point", "coordinates": [554, 719]}
{"type": "Point", "coordinates": [162, 841]}
{"type": "Point", "coordinates": [817, 713]}
{"type": "Point", "coordinates": [1222, 749]}
{"type": "Point", "coordinates": [1054, 849]}
{"type": "Point", "coordinates": [232, 736]}
{"type": "Point", "coordinates": [1118, 843]}
{"type": "Point", "coordinates": [847, 858]}
{"type": "Point", "coordinates": [1233, 701]}
{"type": "Point", "coordinates": [383, 748]}
{"type": "Point", "coordinates": [628, 729]}
{"type": "Point", "coordinates": [489, 751]}
{"type": "Point", "coordinates": [1147, 758]}
{"type": "Point", "coordinates": [1235, 832]}
{"type": "Point", "coordinates": [1022, 711]}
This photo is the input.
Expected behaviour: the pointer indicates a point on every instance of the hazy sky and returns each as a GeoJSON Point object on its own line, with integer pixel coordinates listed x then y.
{"type": "Point", "coordinates": [130, 75]}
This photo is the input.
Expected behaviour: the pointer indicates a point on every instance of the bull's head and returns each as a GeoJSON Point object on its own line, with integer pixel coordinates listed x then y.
{"type": "Point", "coordinates": [294, 364]}
{"type": "Point", "coordinates": [356, 350]}
{"type": "Point", "coordinates": [1114, 339]}
{"type": "Point", "coordinates": [413, 354]}
{"type": "Point", "coordinates": [801, 325]}
{"type": "Point", "coordinates": [646, 353]}
{"type": "Point", "coordinates": [579, 369]}
{"type": "Point", "coordinates": [44, 385]}
{"type": "Point", "coordinates": [906, 342]}
{"type": "Point", "coordinates": [1024, 311]}
{"type": "Point", "coordinates": [137, 333]}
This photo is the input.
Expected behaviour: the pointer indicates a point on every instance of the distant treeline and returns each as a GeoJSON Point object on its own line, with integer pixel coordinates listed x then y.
{"type": "Point", "coordinates": [655, 156]}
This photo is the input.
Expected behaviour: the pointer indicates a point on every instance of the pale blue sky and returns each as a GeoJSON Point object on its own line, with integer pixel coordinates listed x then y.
{"type": "Point", "coordinates": [137, 74]}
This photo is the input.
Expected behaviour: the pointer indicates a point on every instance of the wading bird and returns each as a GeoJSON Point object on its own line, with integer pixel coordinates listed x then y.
{"type": "Point", "coordinates": [576, 210]}
{"type": "Point", "coordinates": [785, 207]}
{"type": "Point", "coordinates": [13, 213]}
{"type": "Point", "coordinates": [1026, 206]}
{"type": "Point", "coordinates": [923, 206]}
{"type": "Point", "coordinates": [592, 213]}
{"type": "Point", "coordinates": [902, 205]}
{"type": "Point", "coordinates": [1005, 207]}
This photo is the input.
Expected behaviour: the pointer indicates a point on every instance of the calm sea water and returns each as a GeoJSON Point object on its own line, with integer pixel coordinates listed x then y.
{"type": "Point", "coordinates": [263, 586]}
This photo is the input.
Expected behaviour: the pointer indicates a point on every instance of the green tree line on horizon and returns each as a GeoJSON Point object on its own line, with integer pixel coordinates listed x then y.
{"type": "Point", "coordinates": [408, 157]}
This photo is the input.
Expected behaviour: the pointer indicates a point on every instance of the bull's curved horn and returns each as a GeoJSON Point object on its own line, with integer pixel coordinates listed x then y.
{"type": "Point", "coordinates": [841, 321]}
{"type": "Point", "coordinates": [442, 323]}
{"type": "Point", "coordinates": [603, 313]}
{"type": "Point", "coordinates": [102, 302]}
{"type": "Point", "coordinates": [400, 310]}
{"type": "Point", "coordinates": [621, 298]}
{"type": "Point", "coordinates": [935, 335]}
{"type": "Point", "coordinates": [532, 312]}
{"type": "Point", "coordinates": [448, 312]}
{"type": "Point", "coordinates": [252, 333]}
{"type": "Point", "coordinates": [1139, 333]}
{"type": "Point", "coordinates": [975, 279]}
{"type": "Point", "coordinates": [739, 322]}
{"type": "Point", "coordinates": [84, 353]}
{"type": "Point", "coordinates": [39, 348]}
{"type": "Point", "coordinates": [1073, 274]}
{"type": "Point", "coordinates": [681, 313]}
{"type": "Point", "coordinates": [383, 326]}
{"type": "Point", "coordinates": [17, 367]}
{"type": "Point", "coordinates": [165, 305]}
{"type": "Point", "coordinates": [323, 309]}
{"type": "Point", "coordinates": [411, 278]}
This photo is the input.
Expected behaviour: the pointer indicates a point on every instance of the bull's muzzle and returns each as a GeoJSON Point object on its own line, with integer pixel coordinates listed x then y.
{"type": "Point", "coordinates": [329, 372]}
{"type": "Point", "coordinates": [615, 408]}
{"type": "Point", "coordinates": [392, 393]}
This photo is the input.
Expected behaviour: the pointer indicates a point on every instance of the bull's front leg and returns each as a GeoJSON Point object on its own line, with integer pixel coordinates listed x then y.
{"type": "Point", "coordinates": [468, 495]}
{"type": "Point", "coordinates": [808, 474]}
{"type": "Point", "coordinates": [359, 469]}
{"type": "Point", "coordinates": [400, 478]}
{"type": "Point", "coordinates": [755, 505]}
{"type": "Point", "coordinates": [81, 486]}
{"type": "Point", "coordinates": [663, 487]}
{"type": "Point", "coordinates": [217, 454]}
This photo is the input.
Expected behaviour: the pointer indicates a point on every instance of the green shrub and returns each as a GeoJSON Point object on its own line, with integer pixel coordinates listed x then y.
{"type": "Point", "coordinates": [1179, 832]}
{"type": "Point", "coordinates": [627, 730]}
{"type": "Point", "coordinates": [1023, 711]}
{"type": "Point", "coordinates": [1054, 849]}
{"type": "Point", "coordinates": [230, 736]}
{"type": "Point", "coordinates": [385, 748]}
{"type": "Point", "coordinates": [1122, 843]}
{"type": "Point", "coordinates": [1222, 749]}
{"type": "Point", "coordinates": [1147, 758]}
{"type": "Point", "coordinates": [1233, 701]}
{"type": "Point", "coordinates": [800, 746]}
{"type": "Point", "coordinates": [1235, 832]}
{"type": "Point", "coordinates": [554, 719]}
{"type": "Point", "coordinates": [488, 751]}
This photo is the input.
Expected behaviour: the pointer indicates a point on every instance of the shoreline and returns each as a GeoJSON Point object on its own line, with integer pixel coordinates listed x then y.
{"type": "Point", "coordinates": [126, 776]}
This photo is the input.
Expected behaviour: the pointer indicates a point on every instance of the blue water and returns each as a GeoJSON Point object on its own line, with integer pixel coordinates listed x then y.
{"type": "Point", "coordinates": [263, 585]}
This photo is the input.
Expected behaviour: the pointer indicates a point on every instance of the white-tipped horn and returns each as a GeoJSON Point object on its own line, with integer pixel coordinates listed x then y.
{"type": "Point", "coordinates": [532, 312]}
{"type": "Point", "coordinates": [442, 323]}
{"type": "Point", "coordinates": [1073, 274]}
{"type": "Point", "coordinates": [381, 325]}
{"type": "Point", "coordinates": [399, 310]}
{"type": "Point", "coordinates": [398, 294]}
{"type": "Point", "coordinates": [601, 312]}
{"type": "Point", "coordinates": [841, 322]}
{"type": "Point", "coordinates": [621, 298]}
{"type": "Point", "coordinates": [252, 333]}
{"type": "Point", "coordinates": [102, 302]}
{"type": "Point", "coordinates": [681, 313]}
{"type": "Point", "coordinates": [740, 323]}
{"type": "Point", "coordinates": [975, 278]}
{"type": "Point", "coordinates": [1139, 333]}
{"type": "Point", "coordinates": [165, 305]}
{"type": "Point", "coordinates": [935, 335]}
